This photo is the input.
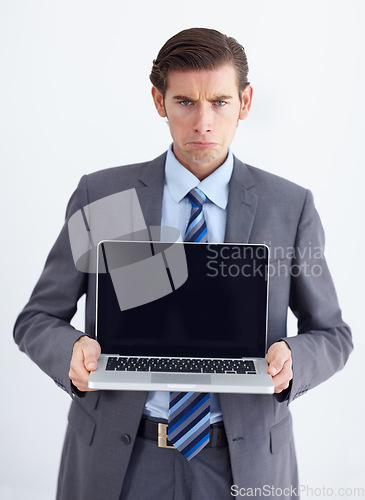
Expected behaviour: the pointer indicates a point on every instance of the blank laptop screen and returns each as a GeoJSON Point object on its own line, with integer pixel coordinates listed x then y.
{"type": "Point", "coordinates": [159, 299]}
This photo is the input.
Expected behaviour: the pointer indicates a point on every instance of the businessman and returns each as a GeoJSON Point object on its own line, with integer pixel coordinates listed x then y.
{"type": "Point", "coordinates": [200, 84]}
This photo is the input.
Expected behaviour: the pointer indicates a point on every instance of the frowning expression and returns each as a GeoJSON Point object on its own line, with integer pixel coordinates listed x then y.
{"type": "Point", "coordinates": [203, 108]}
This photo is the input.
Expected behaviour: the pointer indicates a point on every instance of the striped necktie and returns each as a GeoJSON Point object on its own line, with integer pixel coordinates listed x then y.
{"type": "Point", "coordinates": [189, 412]}
{"type": "Point", "coordinates": [197, 228]}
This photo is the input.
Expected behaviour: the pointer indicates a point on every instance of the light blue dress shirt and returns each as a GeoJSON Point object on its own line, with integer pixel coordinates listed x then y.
{"type": "Point", "coordinates": [176, 209]}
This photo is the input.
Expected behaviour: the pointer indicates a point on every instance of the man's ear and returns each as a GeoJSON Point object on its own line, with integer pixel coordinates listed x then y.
{"type": "Point", "coordinates": [246, 102]}
{"type": "Point", "coordinates": [158, 100]}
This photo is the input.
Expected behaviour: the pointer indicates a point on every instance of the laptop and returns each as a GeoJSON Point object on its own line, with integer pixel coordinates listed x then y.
{"type": "Point", "coordinates": [182, 317]}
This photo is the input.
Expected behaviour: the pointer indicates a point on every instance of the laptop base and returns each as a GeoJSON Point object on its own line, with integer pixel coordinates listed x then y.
{"type": "Point", "coordinates": [258, 383]}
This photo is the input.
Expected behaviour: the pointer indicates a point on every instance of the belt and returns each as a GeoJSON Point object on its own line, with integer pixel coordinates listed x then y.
{"type": "Point", "coordinates": [157, 431]}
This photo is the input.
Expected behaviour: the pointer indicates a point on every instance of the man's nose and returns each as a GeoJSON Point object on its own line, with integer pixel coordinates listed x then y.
{"type": "Point", "coordinates": [203, 120]}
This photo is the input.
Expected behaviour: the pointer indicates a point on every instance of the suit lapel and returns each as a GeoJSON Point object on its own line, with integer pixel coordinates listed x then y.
{"type": "Point", "coordinates": [150, 190]}
{"type": "Point", "coordinates": [242, 204]}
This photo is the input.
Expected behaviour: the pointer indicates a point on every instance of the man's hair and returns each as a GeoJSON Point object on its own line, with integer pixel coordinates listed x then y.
{"type": "Point", "coordinates": [198, 48]}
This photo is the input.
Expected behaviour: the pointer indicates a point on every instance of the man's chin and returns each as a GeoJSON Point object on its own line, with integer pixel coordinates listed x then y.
{"type": "Point", "coordinates": [206, 156]}
{"type": "Point", "coordinates": [201, 159]}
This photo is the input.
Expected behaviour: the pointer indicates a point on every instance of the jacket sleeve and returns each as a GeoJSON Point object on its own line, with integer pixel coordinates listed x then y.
{"type": "Point", "coordinates": [323, 343]}
{"type": "Point", "coordinates": [43, 329]}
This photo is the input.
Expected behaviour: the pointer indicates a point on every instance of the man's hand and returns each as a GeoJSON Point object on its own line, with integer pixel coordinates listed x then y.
{"type": "Point", "coordinates": [280, 365]}
{"type": "Point", "coordinates": [85, 355]}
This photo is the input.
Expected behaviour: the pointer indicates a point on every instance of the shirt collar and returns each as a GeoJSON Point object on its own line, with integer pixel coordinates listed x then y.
{"type": "Point", "coordinates": [180, 180]}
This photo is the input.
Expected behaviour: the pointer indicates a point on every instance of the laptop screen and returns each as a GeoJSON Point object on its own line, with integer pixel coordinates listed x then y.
{"type": "Point", "coordinates": [182, 299]}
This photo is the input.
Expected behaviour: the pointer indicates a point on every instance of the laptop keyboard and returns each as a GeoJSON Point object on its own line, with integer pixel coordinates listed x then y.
{"type": "Point", "coordinates": [180, 365]}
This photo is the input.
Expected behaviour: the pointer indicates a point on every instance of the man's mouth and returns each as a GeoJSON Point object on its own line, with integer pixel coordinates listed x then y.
{"type": "Point", "coordinates": [202, 144]}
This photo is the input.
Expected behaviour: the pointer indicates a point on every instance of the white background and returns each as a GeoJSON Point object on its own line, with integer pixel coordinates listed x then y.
{"type": "Point", "coordinates": [75, 98]}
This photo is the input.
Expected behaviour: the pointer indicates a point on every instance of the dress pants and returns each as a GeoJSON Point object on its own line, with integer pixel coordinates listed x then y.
{"type": "Point", "coordinates": [164, 474]}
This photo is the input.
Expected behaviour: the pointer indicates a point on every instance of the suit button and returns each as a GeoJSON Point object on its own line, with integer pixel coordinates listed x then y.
{"type": "Point", "coordinates": [126, 439]}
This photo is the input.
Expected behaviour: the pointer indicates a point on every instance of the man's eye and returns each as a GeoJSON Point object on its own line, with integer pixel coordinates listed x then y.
{"type": "Point", "coordinates": [220, 103]}
{"type": "Point", "coordinates": [185, 103]}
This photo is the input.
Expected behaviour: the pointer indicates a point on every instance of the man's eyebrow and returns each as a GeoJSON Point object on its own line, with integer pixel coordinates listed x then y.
{"type": "Point", "coordinates": [214, 98]}
{"type": "Point", "coordinates": [221, 98]}
{"type": "Point", "coordinates": [183, 98]}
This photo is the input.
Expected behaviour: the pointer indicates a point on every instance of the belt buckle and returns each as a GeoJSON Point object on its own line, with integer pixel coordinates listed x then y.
{"type": "Point", "coordinates": [162, 436]}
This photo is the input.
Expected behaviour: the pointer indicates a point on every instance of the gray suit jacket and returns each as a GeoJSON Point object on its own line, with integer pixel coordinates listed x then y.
{"type": "Point", "coordinates": [103, 425]}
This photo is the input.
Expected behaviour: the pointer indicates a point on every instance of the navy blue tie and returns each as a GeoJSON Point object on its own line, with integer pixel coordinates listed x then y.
{"type": "Point", "coordinates": [189, 412]}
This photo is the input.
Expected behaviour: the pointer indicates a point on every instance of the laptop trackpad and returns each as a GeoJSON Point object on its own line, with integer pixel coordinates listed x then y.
{"type": "Point", "coordinates": [180, 378]}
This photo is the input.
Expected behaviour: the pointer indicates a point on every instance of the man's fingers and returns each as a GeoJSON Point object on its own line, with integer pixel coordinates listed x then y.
{"type": "Point", "coordinates": [276, 366]}
{"type": "Point", "coordinates": [280, 365]}
{"type": "Point", "coordinates": [91, 354]}
{"type": "Point", "coordinates": [84, 359]}
{"type": "Point", "coordinates": [283, 378]}
{"type": "Point", "coordinates": [277, 356]}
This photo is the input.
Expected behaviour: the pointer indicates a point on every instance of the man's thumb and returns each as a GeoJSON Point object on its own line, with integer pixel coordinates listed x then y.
{"type": "Point", "coordinates": [91, 360]}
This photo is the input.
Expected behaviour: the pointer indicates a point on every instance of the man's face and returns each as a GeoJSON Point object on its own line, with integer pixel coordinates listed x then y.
{"type": "Point", "coordinates": [203, 108]}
